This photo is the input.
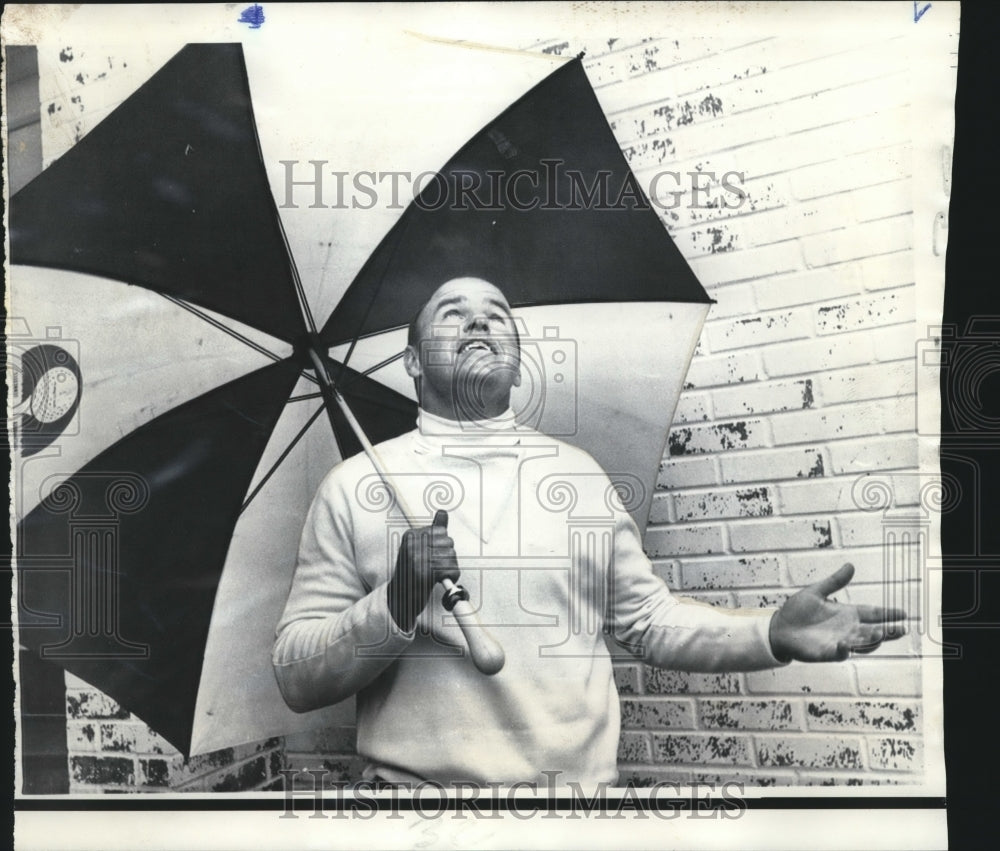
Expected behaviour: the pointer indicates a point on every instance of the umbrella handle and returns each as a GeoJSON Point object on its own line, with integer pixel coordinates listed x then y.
{"type": "Point", "coordinates": [486, 652]}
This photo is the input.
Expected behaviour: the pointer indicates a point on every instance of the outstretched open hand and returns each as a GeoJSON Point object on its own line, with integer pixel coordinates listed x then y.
{"type": "Point", "coordinates": [810, 628]}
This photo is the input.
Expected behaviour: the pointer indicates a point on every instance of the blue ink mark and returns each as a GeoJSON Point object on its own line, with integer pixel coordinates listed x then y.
{"type": "Point", "coordinates": [254, 15]}
{"type": "Point", "coordinates": [918, 13]}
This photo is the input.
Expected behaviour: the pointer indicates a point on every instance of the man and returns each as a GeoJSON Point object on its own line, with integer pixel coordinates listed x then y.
{"type": "Point", "coordinates": [362, 618]}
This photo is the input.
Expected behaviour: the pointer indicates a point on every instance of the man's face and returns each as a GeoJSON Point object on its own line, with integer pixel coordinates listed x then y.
{"type": "Point", "coordinates": [466, 354]}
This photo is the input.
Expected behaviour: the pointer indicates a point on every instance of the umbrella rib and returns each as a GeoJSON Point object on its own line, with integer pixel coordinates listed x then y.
{"type": "Point", "coordinates": [371, 369]}
{"type": "Point", "coordinates": [405, 221]}
{"type": "Point", "coordinates": [305, 397]}
{"type": "Point", "coordinates": [281, 458]}
{"type": "Point", "coordinates": [222, 327]}
{"type": "Point", "coordinates": [303, 303]}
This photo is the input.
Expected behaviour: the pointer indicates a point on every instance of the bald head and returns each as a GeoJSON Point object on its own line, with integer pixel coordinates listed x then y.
{"type": "Point", "coordinates": [463, 350]}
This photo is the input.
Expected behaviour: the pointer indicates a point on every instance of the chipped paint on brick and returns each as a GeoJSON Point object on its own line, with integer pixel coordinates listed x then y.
{"type": "Point", "coordinates": [816, 471]}
{"type": "Point", "coordinates": [660, 681]}
{"type": "Point", "coordinates": [878, 715]}
{"type": "Point", "coordinates": [102, 771]}
{"type": "Point", "coordinates": [154, 772]}
{"type": "Point", "coordinates": [248, 775]}
{"type": "Point", "coordinates": [678, 441]}
{"type": "Point", "coordinates": [807, 393]}
{"type": "Point", "coordinates": [656, 713]}
{"type": "Point", "coordinates": [824, 537]}
{"type": "Point", "coordinates": [634, 747]}
{"type": "Point", "coordinates": [755, 502]}
{"type": "Point", "coordinates": [896, 754]}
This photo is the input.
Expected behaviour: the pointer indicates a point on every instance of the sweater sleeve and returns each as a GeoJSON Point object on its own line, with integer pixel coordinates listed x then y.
{"type": "Point", "coordinates": [336, 634]}
{"type": "Point", "coordinates": [668, 631]}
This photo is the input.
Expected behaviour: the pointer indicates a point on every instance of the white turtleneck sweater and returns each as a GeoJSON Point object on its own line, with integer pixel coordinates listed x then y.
{"type": "Point", "coordinates": [551, 560]}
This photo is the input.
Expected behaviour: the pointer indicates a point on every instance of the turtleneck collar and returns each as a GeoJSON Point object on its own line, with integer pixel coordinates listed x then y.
{"type": "Point", "coordinates": [494, 431]}
{"type": "Point", "coordinates": [432, 425]}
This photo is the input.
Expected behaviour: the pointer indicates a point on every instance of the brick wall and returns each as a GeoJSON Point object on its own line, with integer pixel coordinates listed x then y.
{"type": "Point", "coordinates": [113, 751]}
{"type": "Point", "coordinates": [803, 382]}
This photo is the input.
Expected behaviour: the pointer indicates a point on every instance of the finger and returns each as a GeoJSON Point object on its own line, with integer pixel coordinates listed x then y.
{"type": "Point", "coordinates": [876, 614]}
{"type": "Point", "coordinates": [843, 650]}
{"type": "Point", "coordinates": [440, 519]}
{"type": "Point", "coordinates": [834, 582]}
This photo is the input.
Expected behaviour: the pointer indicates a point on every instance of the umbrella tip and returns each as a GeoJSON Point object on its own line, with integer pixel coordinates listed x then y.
{"type": "Point", "coordinates": [581, 54]}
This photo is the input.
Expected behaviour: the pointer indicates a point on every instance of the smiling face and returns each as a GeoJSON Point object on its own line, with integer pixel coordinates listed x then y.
{"type": "Point", "coordinates": [463, 352]}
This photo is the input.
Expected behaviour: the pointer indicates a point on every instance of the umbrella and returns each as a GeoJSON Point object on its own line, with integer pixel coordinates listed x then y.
{"type": "Point", "coordinates": [163, 472]}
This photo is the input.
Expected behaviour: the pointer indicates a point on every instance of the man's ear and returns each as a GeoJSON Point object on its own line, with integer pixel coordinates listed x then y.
{"type": "Point", "coordinates": [411, 361]}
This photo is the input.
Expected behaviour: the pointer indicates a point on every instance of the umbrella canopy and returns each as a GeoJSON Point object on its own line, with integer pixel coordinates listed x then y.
{"type": "Point", "coordinates": [163, 477]}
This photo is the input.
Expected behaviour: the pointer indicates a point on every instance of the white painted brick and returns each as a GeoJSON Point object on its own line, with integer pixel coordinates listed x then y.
{"type": "Point", "coordinates": [865, 382]}
{"type": "Point", "coordinates": [737, 300]}
{"type": "Point", "coordinates": [881, 416]}
{"type": "Point", "coordinates": [861, 529]}
{"type": "Point", "coordinates": [854, 172]}
{"type": "Point", "coordinates": [710, 238]}
{"type": "Point", "coordinates": [721, 504]}
{"type": "Point", "coordinates": [816, 495]}
{"type": "Point", "coordinates": [872, 238]}
{"type": "Point", "coordinates": [745, 62]}
{"type": "Point", "coordinates": [748, 264]}
{"type": "Point", "coordinates": [807, 287]}
{"type": "Point", "coordinates": [888, 677]}
{"type": "Point", "coordinates": [661, 509]}
{"type": "Point", "coordinates": [793, 533]}
{"type": "Point", "coordinates": [764, 397]}
{"type": "Point", "coordinates": [829, 142]}
{"type": "Point", "coordinates": [848, 493]}
{"type": "Point", "coordinates": [773, 598]}
{"type": "Point", "coordinates": [718, 437]}
{"type": "Point", "coordinates": [759, 330]}
{"type": "Point", "coordinates": [896, 343]}
{"type": "Point", "coordinates": [802, 678]}
{"type": "Point", "coordinates": [816, 75]}
{"type": "Point", "coordinates": [870, 312]}
{"type": "Point", "coordinates": [726, 131]}
{"type": "Point", "coordinates": [842, 104]}
{"type": "Point", "coordinates": [873, 453]}
{"type": "Point", "coordinates": [806, 568]}
{"type": "Point", "coordinates": [797, 220]}
{"type": "Point", "coordinates": [686, 472]}
{"type": "Point", "coordinates": [722, 370]}
{"type": "Point", "coordinates": [812, 356]}
{"type": "Point", "coordinates": [883, 201]}
{"type": "Point", "coordinates": [683, 540]}
{"type": "Point", "coordinates": [693, 408]}
{"type": "Point", "coordinates": [719, 599]}
{"type": "Point", "coordinates": [668, 571]}
{"type": "Point", "coordinates": [887, 271]}
{"type": "Point", "coordinates": [751, 571]}
{"type": "Point", "coordinates": [798, 463]}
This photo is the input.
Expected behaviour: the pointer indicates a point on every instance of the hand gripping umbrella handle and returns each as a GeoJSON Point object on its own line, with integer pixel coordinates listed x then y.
{"type": "Point", "coordinates": [487, 654]}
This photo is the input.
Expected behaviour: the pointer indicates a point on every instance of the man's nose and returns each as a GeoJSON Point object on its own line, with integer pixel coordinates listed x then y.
{"type": "Point", "coordinates": [477, 323]}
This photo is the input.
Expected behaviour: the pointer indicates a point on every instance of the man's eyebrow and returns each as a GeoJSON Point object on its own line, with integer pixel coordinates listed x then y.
{"type": "Point", "coordinates": [501, 304]}
{"type": "Point", "coordinates": [445, 302]}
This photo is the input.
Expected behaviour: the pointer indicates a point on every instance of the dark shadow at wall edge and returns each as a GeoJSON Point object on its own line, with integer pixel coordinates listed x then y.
{"type": "Point", "coordinates": [971, 442]}
{"type": "Point", "coordinates": [42, 718]}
